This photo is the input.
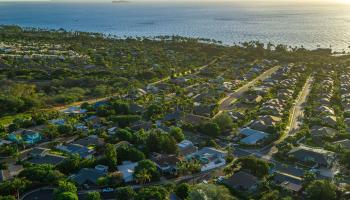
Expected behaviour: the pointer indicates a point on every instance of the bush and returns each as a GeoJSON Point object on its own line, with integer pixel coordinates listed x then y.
{"type": "Point", "coordinates": [210, 129]}
{"type": "Point", "coordinates": [125, 193]}
{"type": "Point", "coordinates": [182, 190]}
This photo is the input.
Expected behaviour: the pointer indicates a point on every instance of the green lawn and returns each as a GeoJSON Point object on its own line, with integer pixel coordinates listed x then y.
{"type": "Point", "coordinates": [6, 120]}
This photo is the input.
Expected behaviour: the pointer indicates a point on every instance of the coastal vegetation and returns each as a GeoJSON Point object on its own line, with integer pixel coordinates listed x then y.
{"type": "Point", "coordinates": [155, 118]}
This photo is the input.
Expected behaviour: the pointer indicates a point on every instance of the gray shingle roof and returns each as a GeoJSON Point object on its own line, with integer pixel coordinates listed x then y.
{"type": "Point", "coordinates": [242, 180]}
{"type": "Point", "coordinates": [87, 176]}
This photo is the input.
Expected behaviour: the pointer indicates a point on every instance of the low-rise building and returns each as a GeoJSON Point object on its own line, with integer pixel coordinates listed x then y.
{"type": "Point", "coordinates": [186, 148]}
{"type": "Point", "coordinates": [127, 170]}
{"type": "Point", "coordinates": [343, 143]}
{"type": "Point", "coordinates": [91, 140]}
{"type": "Point", "coordinates": [252, 137]}
{"type": "Point", "coordinates": [74, 110]}
{"type": "Point", "coordinates": [252, 99]}
{"type": "Point", "coordinates": [320, 132]}
{"type": "Point", "coordinates": [265, 123]}
{"type": "Point", "coordinates": [166, 164]}
{"type": "Point", "coordinates": [26, 136]}
{"type": "Point", "coordinates": [313, 155]}
{"type": "Point", "coordinates": [242, 181]}
{"type": "Point", "coordinates": [82, 151]}
{"type": "Point", "coordinates": [329, 120]}
{"type": "Point", "coordinates": [41, 156]}
{"type": "Point", "coordinates": [210, 158]}
{"type": "Point", "coordinates": [87, 176]}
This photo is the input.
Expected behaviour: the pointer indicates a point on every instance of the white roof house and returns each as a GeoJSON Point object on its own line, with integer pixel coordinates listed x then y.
{"type": "Point", "coordinates": [210, 158]}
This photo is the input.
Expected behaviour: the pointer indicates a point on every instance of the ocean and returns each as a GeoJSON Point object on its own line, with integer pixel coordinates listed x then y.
{"type": "Point", "coordinates": [311, 25]}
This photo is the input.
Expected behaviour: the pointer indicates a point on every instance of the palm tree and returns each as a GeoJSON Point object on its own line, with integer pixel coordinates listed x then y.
{"type": "Point", "coordinates": [143, 176]}
{"type": "Point", "coordinates": [182, 168]}
{"type": "Point", "coordinates": [18, 184]}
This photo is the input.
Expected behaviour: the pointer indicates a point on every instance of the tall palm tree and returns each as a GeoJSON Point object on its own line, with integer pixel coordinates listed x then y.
{"type": "Point", "coordinates": [19, 184]}
{"type": "Point", "coordinates": [182, 168]}
{"type": "Point", "coordinates": [143, 176]}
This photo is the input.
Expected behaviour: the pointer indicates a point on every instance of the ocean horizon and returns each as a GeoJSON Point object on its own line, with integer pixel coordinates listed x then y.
{"type": "Point", "coordinates": [312, 26]}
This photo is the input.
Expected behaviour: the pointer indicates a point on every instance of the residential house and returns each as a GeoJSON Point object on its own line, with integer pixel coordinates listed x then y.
{"type": "Point", "coordinates": [204, 110]}
{"type": "Point", "coordinates": [344, 143]}
{"type": "Point", "coordinates": [172, 117]}
{"type": "Point", "coordinates": [82, 151]}
{"type": "Point", "coordinates": [296, 188]}
{"type": "Point", "coordinates": [347, 124]}
{"type": "Point", "coordinates": [280, 177]}
{"type": "Point", "coordinates": [166, 164]}
{"type": "Point", "coordinates": [59, 122]}
{"type": "Point", "coordinates": [94, 121]}
{"type": "Point", "coordinates": [127, 170]}
{"type": "Point", "coordinates": [40, 156]}
{"type": "Point", "coordinates": [265, 123]}
{"type": "Point", "coordinates": [102, 168]}
{"type": "Point", "coordinates": [26, 136]}
{"type": "Point", "coordinates": [210, 158]}
{"type": "Point", "coordinates": [152, 89]}
{"type": "Point", "coordinates": [236, 116]}
{"type": "Point", "coordinates": [186, 148]}
{"type": "Point", "coordinates": [136, 109]}
{"type": "Point", "coordinates": [261, 90]}
{"type": "Point", "coordinates": [252, 99]}
{"type": "Point", "coordinates": [318, 156]}
{"type": "Point", "coordinates": [179, 81]}
{"type": "Point", "coordinates": [285, 94]}
{"type": "Point", "coordinates": [141, 125]}
{"type": "Point", "coordinates": [38, 152]}
{"type": "Point", "coordinates": [242, 181]}
{"type": "Point", "coordinates": [194, 119]}
{"type": "Point", "coordinates": [100, 104]}
{"type": "Point", "coordinates": [5, 142]}
{"type": "Point", "coordinates": [87, 176]}
{"type": "Point", "coordinates": [112, 130]}
{"type": "Point", "coordinates": [136, 93]}
{"type": "Point", "coordinates": [325, 110]}
{"type": "Point", "coordinates": [272, 110]}
{"type": "Point", "coordinates": [252, 137]}
{"type": "Point", "coordinates": [74, 110]}
{"type": "Point", "coordinates": [325, 101]}
{"type": "Point", "coordinates": [329, 120]}
{"type": "Point", "coordinates": [320, 132]}
{"type": "Point", "coordinates": [91, 140]}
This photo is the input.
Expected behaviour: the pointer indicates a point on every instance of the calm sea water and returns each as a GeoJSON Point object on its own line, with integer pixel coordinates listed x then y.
{"type": "Point", "coordinates": [310, 26]}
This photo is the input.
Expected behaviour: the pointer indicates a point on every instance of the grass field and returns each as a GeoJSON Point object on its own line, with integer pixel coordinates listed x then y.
{"type": "Point", "coordinates": [5, 121]}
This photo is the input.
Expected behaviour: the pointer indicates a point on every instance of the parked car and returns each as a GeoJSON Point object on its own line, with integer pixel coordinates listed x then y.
{"type": "Point", "coordinates": [106, 190]}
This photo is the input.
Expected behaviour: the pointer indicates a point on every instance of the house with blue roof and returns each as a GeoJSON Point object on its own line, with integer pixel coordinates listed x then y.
{"type": "Point", "coordinates": [100, 103]}
{"type": "Point", "coordinates": [252, 137]}
{"type": "Point", "coordinates": [26, 136]}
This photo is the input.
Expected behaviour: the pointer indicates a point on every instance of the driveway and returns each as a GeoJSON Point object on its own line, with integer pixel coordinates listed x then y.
{"type": "Point", "coordinates": [39, 194]}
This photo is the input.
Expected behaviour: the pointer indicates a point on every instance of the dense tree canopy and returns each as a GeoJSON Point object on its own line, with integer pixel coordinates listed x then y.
{"type": "Point", "coordinates": [321, 190]}
{"type": "Point", "coordinates": [153, 192]}
{"type": "Point", "coordinates": [210, 192]}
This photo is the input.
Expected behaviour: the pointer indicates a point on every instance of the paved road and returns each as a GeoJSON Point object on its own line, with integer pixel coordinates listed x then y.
{"type": "Point", "coordinates": [299, 108]}
{"type": "Point", "coordinates": [297, 113]}
{"type": "Point", "coordinates": [278, 166]}
{"type": "Point", "coordinates": [39, 194]}
{"type": "Point", "coordinates": [225, 104]}
{"type": "Point", "coordinates": [197, 70]}
{"type": "Point", "coordinates": [91, 101]}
